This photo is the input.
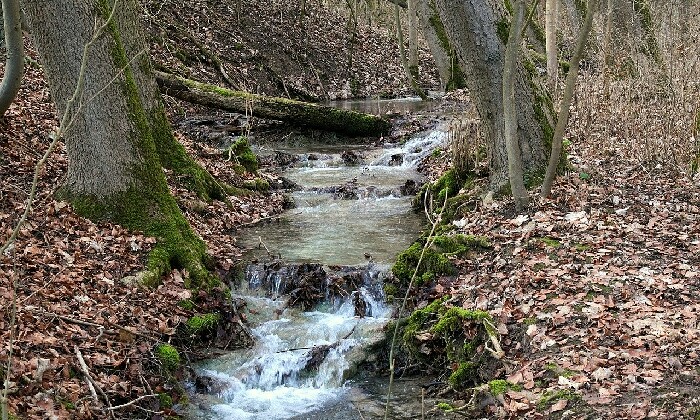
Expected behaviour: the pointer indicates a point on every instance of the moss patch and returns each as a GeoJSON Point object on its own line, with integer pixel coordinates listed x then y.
{"type": "Point", "coordinates": [168, 356]}
{"type": "Point", "coordinates": [243, 156]}
{"type": "Point", "coordinates": [436, 261]}
{"type": "Point", "coordinates": [443, 335]}
{"type": "Point", "coordinates": [200, 324]}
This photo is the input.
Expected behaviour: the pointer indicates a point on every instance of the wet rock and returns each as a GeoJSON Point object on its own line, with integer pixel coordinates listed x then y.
{"type": "Point", "coordinates": [278, 159]}
{"type": "Point", "coordinates": [396, 159]}
{"type": "Point", "coordinates": [410, 188]}
{"type": "Point", "coordinates": [283, 183]}
{"type": "Point", "coordinates": [352, 157]}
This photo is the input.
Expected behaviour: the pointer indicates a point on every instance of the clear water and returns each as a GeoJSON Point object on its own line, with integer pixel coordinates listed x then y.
{"type": "Point", "coordinates": [271, 381]}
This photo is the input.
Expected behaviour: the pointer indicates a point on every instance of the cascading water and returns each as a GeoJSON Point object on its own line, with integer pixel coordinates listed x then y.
{"type": "Point", "coordinates": [302, 359]}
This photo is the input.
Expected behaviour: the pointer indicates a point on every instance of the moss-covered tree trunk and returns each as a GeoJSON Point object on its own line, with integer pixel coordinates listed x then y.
{"type": "Point", "coordinates": [478, 30]}
{"type": "Point", "coordinates": [119, 138]}
{"type": "Point", "coordinates": [440, 47]}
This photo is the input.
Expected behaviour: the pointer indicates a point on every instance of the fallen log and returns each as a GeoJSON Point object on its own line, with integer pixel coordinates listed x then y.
{"type": "Point", "coordinates": [296, 113]}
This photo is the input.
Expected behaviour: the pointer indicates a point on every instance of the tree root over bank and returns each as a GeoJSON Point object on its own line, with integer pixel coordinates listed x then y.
{"type": "Point", "coordinates": [296, 113]}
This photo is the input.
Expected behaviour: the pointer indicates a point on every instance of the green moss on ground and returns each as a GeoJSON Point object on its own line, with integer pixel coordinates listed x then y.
{"type": "Point", "coordinates": [436, 261]}
{"type": "Point", "coordinates": [168, 356]}
{"type": "Point", "coordinates": [200, 324]}
{"type": "Point", "coordinates": [550, 397]}
{"type": "Point", "coordinates": [243, 156]}
{"type": "Point", "coordinates": [501, 386]}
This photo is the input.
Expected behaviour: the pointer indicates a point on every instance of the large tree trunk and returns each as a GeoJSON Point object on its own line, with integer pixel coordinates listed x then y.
{"type": "Point", "coordinates": [14, 65]}
{"type": "Point", "coordinates": [297, 113]}
{"type": "Point", "coordinates": [114, 170]}
{"type": "Point", "coordinates": [440, 46]}
{"type": "Point", "coordinates": [477, 30]}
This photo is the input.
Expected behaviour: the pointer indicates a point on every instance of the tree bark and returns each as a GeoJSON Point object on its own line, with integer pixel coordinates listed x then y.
{"type": "Point", "coordinates": [114, 170]}
{"type": "Point", "coordinates": [413, 38]}
{"type": "Point", "coordinates": [297, 113]}
{"type": "Point", "coordinates": [14, 65]}
{"type": "Point", "coordinates": [515, 163]}
{"type": "Point", "coordinates": [477, 30]}
{"type": "Point", "coordinates": [443, 53]}
{"type": "Point", "coordinates": [551, 18]}
{"type": "Point", "coordinates": [402, 55]}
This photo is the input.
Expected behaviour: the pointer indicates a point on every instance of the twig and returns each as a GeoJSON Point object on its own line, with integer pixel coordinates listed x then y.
{"type": "Point", "coordinates": [428, 243]}
{"type": "Point", "coordinates": [130, 403]}
{"type": "Point", "coordinates": [91, 382]}
{"type": "Point", "coordinates": [86, 372]}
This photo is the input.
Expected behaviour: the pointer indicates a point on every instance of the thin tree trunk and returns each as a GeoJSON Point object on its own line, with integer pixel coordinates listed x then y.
{"type": "Point", "coordinates": [515, 162]}
{"type": "Point", "coordinates": [404, 61]}
{"type": "Point", "coordinates": [14, 65]}
{"type": "Point", "coordinates": [413, 38]}
{"type": "Point", "coordinates": [555, 156]}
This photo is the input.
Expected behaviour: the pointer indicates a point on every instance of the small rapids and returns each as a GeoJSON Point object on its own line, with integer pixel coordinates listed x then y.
{"type": "Point", "coordinates": [349, 223]}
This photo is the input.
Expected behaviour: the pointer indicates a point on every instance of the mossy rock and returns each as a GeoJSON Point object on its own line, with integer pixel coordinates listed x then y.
{"type": "Point", "coordinates": [436, 260]}
{"type": "Point", "coordinates": [200, 324]}
{"type": "Point", "coordinates": [443, 335]}
{"type": "Point", "coordinates": [168, 356]}
{"type": "Point", "coordinates": [244, 156]}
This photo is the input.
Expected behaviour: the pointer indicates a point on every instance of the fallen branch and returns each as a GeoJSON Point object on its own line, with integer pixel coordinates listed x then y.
{"type": "Point", "coordinates": [300, 114]}
{"type": "Point", "coordinates": [130, 403]}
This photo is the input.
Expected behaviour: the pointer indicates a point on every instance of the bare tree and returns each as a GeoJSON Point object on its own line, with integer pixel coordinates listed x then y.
{"type": "Point", "coordinates": [14, 65]}
{"type": "Point", "coordinates": [402, 52]}
{"type": "Point", "coordinates": [551, 23]}
{"type": "Point", "coordinates": [412, 38]}
{"type": "Point", "coordinates": [555, 156]}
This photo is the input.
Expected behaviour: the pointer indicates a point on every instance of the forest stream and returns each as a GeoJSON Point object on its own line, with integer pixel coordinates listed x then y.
{"type": "Point", "coordinates": [352, 217]}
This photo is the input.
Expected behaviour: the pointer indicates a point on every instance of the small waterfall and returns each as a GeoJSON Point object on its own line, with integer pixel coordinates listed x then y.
{"type": "Point", "coordinates": [314, 315]}
{"type": "Point", "coordinates": [410, 154]}
{"type": "Point", "coordinates": [300, 359]}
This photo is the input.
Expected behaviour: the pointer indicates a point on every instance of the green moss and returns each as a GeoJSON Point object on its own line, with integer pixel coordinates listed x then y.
{"type": "Point", "coordinates": [581, 247]}
{"type": "Point", "coordinates": [445, 407]}
{"type": "Point", "coordinates": [244, 156]}
{"type": "Point", "coordinates": [390, 290]}
{"type": "Point", "coordinates": [501, 386]}
{"type": "Point", "coordinates": [168, 356]}
{"type": "Point", "coordinates": [257, 184]}
{"type": "Point", "coordinates": [530, 321]}
{"type": "Point", "coordinates": [457, 80]}
{"type": "Point", "coordinates": [558, 371]}
{"type": "Point", "coordinates": [434, 264]}
{"type": "Point", "coordinates": [463, 375]}
{"type": "Point", "coordinates": [436, 261]}
{"type": "Point", "coordinates": [453, 320]}
{"type": "Point", "coordinates": [503, 29]}
{"type": "Point", "coordinates": [550, 398]}
{"type": "Point", "coordinates": [199, 324]}
{"type": "Point", "coordinates": [550, 242]}
{"type": "Point", "coordinates": [651, 47]}
{"type": "Point", "coordinates": [166, 401]}
{"type": "Point", "coordinates": [186, 304]}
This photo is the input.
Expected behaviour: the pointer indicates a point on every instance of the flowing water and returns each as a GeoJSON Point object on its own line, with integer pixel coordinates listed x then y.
{"type": "Point", "coordinates": [345, 215]}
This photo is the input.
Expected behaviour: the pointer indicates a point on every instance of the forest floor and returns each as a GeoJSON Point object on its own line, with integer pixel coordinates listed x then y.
{"type": "Point", "coordinates": [596, 290]}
